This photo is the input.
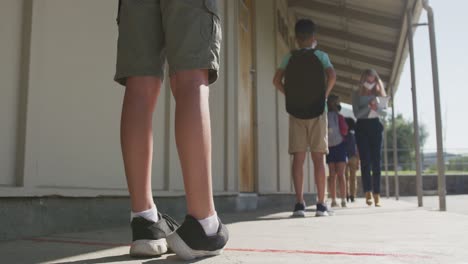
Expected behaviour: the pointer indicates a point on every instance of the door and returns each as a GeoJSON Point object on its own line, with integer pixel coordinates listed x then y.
{"type": "Point", "coordinates": [246, 105]}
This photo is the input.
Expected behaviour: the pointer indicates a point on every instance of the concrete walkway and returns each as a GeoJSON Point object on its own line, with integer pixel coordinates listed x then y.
{"type": "Point", "coordinates": [396, 233]}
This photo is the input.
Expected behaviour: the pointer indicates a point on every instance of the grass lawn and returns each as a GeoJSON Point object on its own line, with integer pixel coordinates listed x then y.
{"type": "Point", "coordinates": [412, 173]}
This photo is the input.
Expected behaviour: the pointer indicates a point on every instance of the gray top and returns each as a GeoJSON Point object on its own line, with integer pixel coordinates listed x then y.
{"type": "Point", "coordinates": [334, 133]}
{"type": "Point", "coordinates": [361, 106]}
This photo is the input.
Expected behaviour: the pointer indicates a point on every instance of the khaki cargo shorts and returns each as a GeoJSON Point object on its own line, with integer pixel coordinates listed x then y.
{"type": "Point", "coordinates": [187, 32]}
{"type": "Point", "coordinates": [353, 163]}
{"type": "Point", "coordinates": [309, 134]}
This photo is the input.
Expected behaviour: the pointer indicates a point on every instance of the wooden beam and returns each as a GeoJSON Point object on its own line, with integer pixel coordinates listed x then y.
{"type": "Point", "coordinates": [341, 90]}
{"type": "Point", "coordinates": [344, 93]}
{"type": "Point", "coordinates": [401, 52]}
{"type": "Point", "coordinates": [353, 38]}
{"type": "Point", "coordinates": [341, 11]}
{"type": "Point", "coordinates": [341, 93]}
{"type": "Point", "coordinates": [356, 56]}
{"type": "Point", "coordinates": [357, 71]}
{"type": "Point", "coordinates": [347, 80]}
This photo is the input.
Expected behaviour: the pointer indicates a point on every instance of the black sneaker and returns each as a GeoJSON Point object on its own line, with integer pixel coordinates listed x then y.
{"type": "Point", "coordinates": [323, 210]}
{"type": "Point", "coordinates": [352, 198]}
{"type": "Point", "coordinates": [149, 238]}
{"type": "Point", "coordinates": [190, 240]}
{"type": "Point", "coordinates": [299, 210]}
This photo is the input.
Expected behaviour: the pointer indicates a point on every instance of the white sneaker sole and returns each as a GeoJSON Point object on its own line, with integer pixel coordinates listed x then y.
{"type": "Point", "coordinates": [320, 214]}
{"type": "Point", "coordinates": [185, 252]}
{"type": "Point", "coordinates": [298, 214]}
{"type": "Point", "coordinates": [148, 248]}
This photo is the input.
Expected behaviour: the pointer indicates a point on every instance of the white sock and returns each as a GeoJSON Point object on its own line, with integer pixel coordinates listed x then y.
{"type": "Point", "coordinates": [150, 214]}
{"type": "Point", "coordinates": [210, 224]}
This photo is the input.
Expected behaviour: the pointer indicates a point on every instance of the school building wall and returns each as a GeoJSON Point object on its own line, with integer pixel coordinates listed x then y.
{"type": "Point", "coordinates": [60, 109]}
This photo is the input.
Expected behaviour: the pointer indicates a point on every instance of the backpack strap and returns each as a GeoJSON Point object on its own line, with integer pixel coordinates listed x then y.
{"type": "Point", "coordinates": [295, 52]}
{"type": "Point", "coordinates": [343, 125]}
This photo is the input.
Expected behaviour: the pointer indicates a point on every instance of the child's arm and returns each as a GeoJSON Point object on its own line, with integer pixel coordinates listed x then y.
{"type": "Point", "coordinates": [343, 125]}
{"type": "Point", "coordinates": [278, 80]}
{"type": "Point", "coordinates": [331, 80]}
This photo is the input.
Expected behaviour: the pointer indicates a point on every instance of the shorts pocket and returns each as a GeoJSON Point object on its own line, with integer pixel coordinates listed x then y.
{"type": "Point", "coordinates": [210, 23]}
{"type": "Point", "coordinates": [212, 7]}
{"type": "Point", "coordinates": [118, 12]}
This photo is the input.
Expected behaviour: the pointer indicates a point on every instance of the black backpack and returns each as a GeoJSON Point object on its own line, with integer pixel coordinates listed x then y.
{"type": "Point", "coordinates": [304, 85]}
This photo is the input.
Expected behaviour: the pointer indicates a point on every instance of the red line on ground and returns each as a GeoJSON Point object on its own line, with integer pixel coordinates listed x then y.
{"type": "Point", "coordinates": [278, 251]}
{"type": "Point", "coordinates": [313, 252]}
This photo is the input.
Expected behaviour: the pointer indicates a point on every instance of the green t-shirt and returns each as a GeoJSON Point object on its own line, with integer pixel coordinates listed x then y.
{"type": "Point", "coordinates": [322, 56]}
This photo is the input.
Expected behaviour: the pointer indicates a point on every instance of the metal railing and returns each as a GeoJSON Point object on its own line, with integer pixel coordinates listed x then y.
{"type": "Point", "coordinates": [455, 161]}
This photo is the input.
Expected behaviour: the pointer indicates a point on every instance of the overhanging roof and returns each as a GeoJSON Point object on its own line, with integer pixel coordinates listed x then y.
{"type": "Point", "coordinates": [361, 34]}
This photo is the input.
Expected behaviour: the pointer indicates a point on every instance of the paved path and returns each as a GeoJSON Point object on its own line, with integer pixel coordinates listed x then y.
{"type": "Point", "coordinates": [455, 203]}
{"type": "Point", "coordinates": [396, 233]}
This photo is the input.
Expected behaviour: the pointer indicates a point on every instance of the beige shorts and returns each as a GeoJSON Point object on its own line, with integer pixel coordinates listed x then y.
{"type": "Point", "coordinates": [353, 163]}
{"type": "Point", "coordinates": [187, 32]}
{"type": "Point", "coordinates": [309, 134]}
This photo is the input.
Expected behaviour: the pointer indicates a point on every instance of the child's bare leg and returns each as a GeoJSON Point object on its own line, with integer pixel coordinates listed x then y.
{"type": "Point", "coordinates": [136, 130]}
{"type": "Point", "coordinates": [347, 177]}
{"type": "Point", "coordinates": [298, 175]}
{"type": "Point", "coordinates": [333, 171]}
{"type": "Point", "coordinates": [193, 139]}
{"type": "Point", "coordinates": [340, 171]}
{"type": "Point", "coordinates": [352, 181]}
{"type": "Point", "coordinates": [319, 171]}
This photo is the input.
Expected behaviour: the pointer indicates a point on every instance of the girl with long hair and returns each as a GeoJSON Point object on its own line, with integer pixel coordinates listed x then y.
{"type": "Point", "coordinates": [369, 129]}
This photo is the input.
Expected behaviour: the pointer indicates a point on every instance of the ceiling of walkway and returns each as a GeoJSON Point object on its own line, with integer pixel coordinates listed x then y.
{"type": "Point", "coordinates": [361, 34]}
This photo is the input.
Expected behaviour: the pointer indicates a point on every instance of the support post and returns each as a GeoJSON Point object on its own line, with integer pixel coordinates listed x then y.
{"type": "Point", "coordinates": [419, 182]}
{"type": "Point", "coordinates": [387, 187]}
{"type": "Point", "coordinates": [395, 147]}
{"type": "Point", "coordinates": [438, 116]}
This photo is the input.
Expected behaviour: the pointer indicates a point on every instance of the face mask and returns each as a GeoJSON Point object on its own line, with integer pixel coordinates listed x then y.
{"type": "Point", "coordinates": [369, 86]}
{"type": "Point", "coordinates": [314, 44]}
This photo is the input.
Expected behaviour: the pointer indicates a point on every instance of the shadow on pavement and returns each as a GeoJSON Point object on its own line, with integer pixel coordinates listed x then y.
{"type": "Point", "coordinates": [55, 249]}
{"type": "Point", "coordinates": [107, 259]}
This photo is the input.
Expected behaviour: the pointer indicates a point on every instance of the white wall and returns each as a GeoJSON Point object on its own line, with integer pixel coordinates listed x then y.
{"type": "Point", "coordinates": [72, 115]}
{"type": "Point", "coordinates": [266, 97]}
{"type": "Point", "coordinates": [10, 54]}
{"type": "Point", "coordinates": [74, 105]}
{"type": "Point", "coordinates": [229, 71]}
{"type": "Point", "coordinates": [284, 159]}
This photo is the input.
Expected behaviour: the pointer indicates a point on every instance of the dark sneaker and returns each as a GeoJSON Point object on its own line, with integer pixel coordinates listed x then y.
{"type": "Point", "coordinates": [190, 240]}
{"type": "Point", "coordinates": [323, 210]}
{"type": "Point", "coordinates": [299, 210]}
{"type": "Point", "coordinates": [352, 198]}
{"type": "Point", "coordinates": [334, 203]}
{"type": "Point", "coordinates": [343, 204]}
{"type": "Point", "coordinates": [149, 238]}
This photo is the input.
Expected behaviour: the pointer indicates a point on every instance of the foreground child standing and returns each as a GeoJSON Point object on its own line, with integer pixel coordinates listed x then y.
{"type": "Point", "coordinates": [188, 33]}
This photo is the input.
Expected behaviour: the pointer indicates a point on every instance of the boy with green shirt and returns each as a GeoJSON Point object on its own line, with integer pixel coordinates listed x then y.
{"type": "Point", "coordinates": [304, 132]}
